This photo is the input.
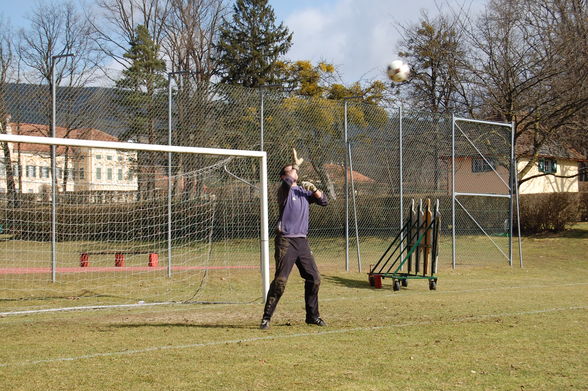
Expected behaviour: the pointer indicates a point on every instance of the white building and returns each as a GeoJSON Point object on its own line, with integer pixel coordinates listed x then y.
{"type": "Point", "coordinates": [88, 169]}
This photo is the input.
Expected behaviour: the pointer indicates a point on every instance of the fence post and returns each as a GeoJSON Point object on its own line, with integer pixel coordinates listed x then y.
{"type": "Point", "coordinates": [54, 169]}
{"type": "Point", "coordinates": [453, 191]}
{"type": "Point", "coordinates": [345, 165]}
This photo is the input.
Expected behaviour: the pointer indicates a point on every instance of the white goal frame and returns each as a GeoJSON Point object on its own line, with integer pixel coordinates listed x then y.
{"type": "Point", "coordinates": [261, 155]}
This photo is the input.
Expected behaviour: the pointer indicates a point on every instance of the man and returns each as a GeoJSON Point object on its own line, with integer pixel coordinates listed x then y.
{"type": "Point", "coordinates": [292, 245]}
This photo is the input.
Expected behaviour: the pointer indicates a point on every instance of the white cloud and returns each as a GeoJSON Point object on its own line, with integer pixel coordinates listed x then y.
{"type": "Point", "coordinates": [358, 36]}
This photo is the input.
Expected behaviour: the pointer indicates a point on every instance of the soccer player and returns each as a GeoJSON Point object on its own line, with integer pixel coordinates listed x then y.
{"type": "Point", "coordinates": [292, 245]}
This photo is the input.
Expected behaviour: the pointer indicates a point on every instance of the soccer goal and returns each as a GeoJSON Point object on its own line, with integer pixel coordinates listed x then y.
{"type": "Point", "coordinates": [129, 224]}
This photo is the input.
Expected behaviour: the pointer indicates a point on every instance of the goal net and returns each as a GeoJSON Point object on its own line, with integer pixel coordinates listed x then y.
{"type": "Point", "coordinates": [129, 224]}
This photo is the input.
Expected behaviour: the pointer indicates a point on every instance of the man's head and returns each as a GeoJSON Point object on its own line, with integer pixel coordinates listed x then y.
{"type": "Point", "coordinates": [289, 171]}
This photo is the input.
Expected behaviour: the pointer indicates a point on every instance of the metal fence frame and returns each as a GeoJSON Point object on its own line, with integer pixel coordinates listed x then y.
{"type": "Point", "coordinates": [512, 187]}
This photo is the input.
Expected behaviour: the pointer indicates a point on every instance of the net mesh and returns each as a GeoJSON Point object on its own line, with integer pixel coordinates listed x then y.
{"type": "Point", "coordinates": [482, 166]}
{"type": "Point", "coordinates": [392, 156]}
{"type": "Point", "coordinates": [117, 246]}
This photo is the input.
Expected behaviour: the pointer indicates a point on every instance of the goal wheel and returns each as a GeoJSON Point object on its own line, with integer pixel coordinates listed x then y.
{"type": "Point", "coordinates": [433, 285]}
{"type": "Point", "coordinates": [396, 285]}
{"type": "Point", "coordinates": [404, 282]}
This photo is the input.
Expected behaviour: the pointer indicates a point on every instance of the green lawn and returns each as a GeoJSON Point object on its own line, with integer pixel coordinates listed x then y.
{"type": "Point", "coordinates": [486, 327]}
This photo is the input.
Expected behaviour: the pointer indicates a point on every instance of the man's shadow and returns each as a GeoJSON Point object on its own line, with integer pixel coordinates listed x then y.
{"type": "Point", "coordinates": [348, 282]}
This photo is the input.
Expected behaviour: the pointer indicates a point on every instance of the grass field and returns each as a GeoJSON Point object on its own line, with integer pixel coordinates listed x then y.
{"type": "Point", "coordinates": [486, 328]}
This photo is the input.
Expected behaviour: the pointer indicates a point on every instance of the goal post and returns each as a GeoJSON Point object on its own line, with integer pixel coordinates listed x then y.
{"type": "Point", "coordinates": [140, 241]}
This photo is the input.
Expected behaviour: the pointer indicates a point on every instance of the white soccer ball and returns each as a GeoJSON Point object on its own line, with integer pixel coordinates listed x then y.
{"type": "Point", "coordinates": [398, 71]}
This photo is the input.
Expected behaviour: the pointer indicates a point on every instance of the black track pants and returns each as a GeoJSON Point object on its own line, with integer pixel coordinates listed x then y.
{"type": "Point", "coordinates": [290, 251]}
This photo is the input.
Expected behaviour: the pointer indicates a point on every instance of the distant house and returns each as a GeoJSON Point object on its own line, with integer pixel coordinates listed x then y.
{"type": "Point", "coordinates": [87, 169]}
{"type": "Point", "coordinates": [337, 174]}
{"type": "Point", "coordinates": [474, 174]}
{"type": "Point", "coordinates": [559, 159]}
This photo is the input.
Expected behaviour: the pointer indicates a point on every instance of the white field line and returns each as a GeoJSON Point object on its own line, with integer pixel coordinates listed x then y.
{"type": "Point", "coordinates": [288, 336]}
{"type": "Point", "coordinates": [339, 298]}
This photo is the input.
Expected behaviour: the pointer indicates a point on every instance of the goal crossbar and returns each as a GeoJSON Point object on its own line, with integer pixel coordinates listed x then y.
{"type": "Point", "coordinates": [262, 155]}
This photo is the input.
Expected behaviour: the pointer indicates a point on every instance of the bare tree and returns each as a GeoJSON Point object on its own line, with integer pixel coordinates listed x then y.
{"type": "Point", "coordinates": [192, 30]}
{"type": "Point", "coordinates": [435, 48]}
{"type": "Point", "coordinates": [6, 65]}
{"type": "Point", "coordinates": [530, 68]}
{"type": "Point", "coordinates": [59, 29]}
{"type": "Point", "coordinates": [189, 45]}
{"type": "Point", "coordinates": [118, 20]}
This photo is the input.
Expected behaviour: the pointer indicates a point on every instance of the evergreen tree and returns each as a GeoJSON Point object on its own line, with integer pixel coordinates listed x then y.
{"type": "Point", "coordinates": [142, 99]}
{"type": "Point", "coordinates": [251, 43]}
{"type": "Point", "coordinates": [140, 87]}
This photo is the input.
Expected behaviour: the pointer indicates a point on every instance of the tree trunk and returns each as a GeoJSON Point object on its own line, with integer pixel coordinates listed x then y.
{"type": "Point", "coordinates": [325, 178]}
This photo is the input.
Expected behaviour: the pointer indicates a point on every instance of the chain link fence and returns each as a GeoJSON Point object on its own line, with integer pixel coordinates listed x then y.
{"type": "Point", "coordinates": [370, 160]}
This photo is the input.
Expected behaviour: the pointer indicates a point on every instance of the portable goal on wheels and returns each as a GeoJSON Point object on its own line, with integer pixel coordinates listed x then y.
{"type": "Point", "coordinates": [130, 223]}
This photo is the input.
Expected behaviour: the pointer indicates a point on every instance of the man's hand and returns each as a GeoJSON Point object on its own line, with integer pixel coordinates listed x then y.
{"type": "Point", "coordinates": [296, 160]}
{"type": "Point", "coordinates": [309, 186]}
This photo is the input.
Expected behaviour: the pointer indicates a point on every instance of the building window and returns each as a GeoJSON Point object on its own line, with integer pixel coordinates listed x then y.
{"type": "Point", "coordinates": [109, 174]}
{"type": "Point", "coordinates": [59, 172]}
{"type": "Point", "coordinates": [120, 174]}
{"type": "Point", "coordinates": [16, 169]}
{"type": "Point", "coordinates": [480, 165]}
{"type": "Point", "coordinates": [2, 169]}
{"type": "Point", "coordinates": [98, 173]}
{"type": "Point", "coordinates": [583, 171]}
{"type": "Point", "coordinates": [108, 157]}
{"type": "Point", "coordinates": [45, 172]}
{"type": "Point", "coordinates": [547, 165]}
{"type": "Point", "coordinates": [98, 157]}
{"type": "Point", "coordinates": [81, 173]}
{"type": "Point", "coordinates": [31, 172]}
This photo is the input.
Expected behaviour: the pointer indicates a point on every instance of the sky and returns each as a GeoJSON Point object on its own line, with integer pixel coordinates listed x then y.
{"type": "Point", "coordinates": [359, 37]}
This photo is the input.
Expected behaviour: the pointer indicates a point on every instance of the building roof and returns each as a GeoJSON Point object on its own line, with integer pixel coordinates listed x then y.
{"type": "Point", "coordinates": [40, 130]}
{"type": "Point", "coordinates": [337, 173]}
{"type": "Point", "coordinates": [550, 148]}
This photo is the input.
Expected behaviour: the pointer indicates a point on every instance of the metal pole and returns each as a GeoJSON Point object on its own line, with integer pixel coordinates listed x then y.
{"type": "Point", "coordinates": [400, 172]}
{"type": "Point", "coordinates": [265, 272]}
{"type": "Point", "coordinates": [348, 156]}
{"type": "Point", "coordinates": [346, 189]}
{"type": "Point", "coordinates": [354, 206]}
{"type": "Point", "coordinates": [169, 174]}
{"type": "Point", "coordinates": [54, 170]}
{"type": "Point", "coordinates": [400, 158]}
{"type": "Point", "coordinates": [511, 193]}
{"type": "Point", "coordinates": [453, 191]}
{"type": "Point", "coordinates": [261, 118]}
{"type": "Point", "coordinates": [169, 170]}
{"type": "Point", "coordinates": [516, 192]}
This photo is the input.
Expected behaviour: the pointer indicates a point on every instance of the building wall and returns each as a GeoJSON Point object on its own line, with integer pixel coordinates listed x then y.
{"type": "Point", "coordinates": [35, 173]}
{"type": "Point", "coordinates": [467, 181]}
{"type": "Point", "coordinates": [110, 170]}
{"type": "Point", "coordinates": [81, 160]}
{"type": "Point", "coordinates": [549, 183]}
{"type": "Point", "coordinates": [488, 182]}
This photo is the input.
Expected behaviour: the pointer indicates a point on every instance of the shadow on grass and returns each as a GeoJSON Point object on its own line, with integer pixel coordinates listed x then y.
{"type": "Point", "coordinates": [186, 324]}
{"type": "Point", "coordinates": [572, 233]}
{"type": "Point", "coordinates": [348, 282]}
